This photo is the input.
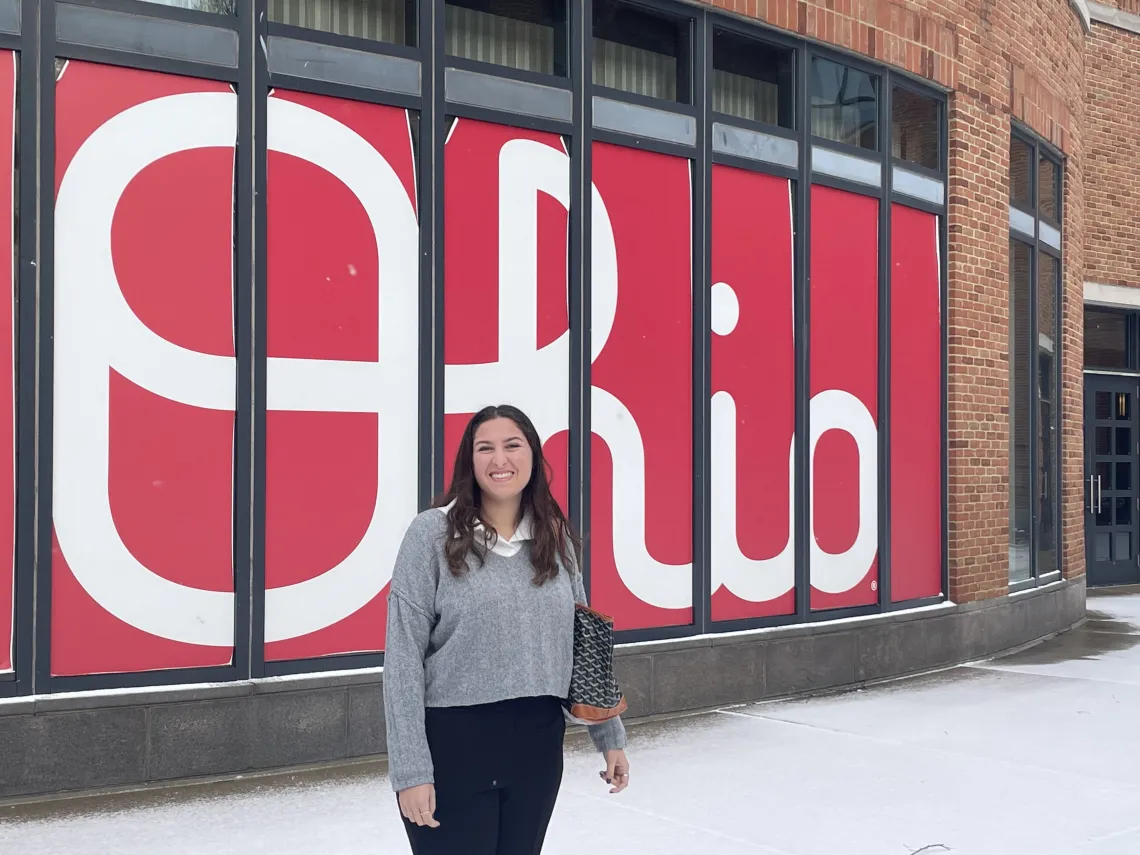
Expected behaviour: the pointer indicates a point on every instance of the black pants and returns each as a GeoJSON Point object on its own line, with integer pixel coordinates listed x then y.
{"type": "Point", "coordinates": [498, 768]}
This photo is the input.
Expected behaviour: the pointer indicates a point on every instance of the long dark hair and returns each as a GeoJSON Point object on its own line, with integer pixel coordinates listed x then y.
{"type": "Point", "coordinates": [552, 536]}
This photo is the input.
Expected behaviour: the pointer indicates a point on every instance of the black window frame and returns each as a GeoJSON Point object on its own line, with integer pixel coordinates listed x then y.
{"type": "Point", "coordinates": [1041, 150]}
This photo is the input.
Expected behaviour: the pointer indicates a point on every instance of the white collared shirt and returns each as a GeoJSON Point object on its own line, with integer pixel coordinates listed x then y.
{"type": "Point", "coordinates": [506, 547]}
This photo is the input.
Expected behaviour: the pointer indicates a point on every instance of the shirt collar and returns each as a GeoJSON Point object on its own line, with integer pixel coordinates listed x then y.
{"type": "Point", "coordinates": [503, 546]}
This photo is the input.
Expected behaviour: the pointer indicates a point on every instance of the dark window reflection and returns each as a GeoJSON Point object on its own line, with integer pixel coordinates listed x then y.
{"type": "Point", "coordinates": [391, 21]}
{"type": "Point", "coordinates": [844, 104]}
{"type": "Point", "coordinates": [219, 7]}
{"type": "Point", "coordinates": [1020, 401]}
{"type": "Point", "coordinates": [640, 52]}
{"type": "Point", "coordinates": [1021, 174]}
{"type": "Point", "coordinates": [525, 34]}
{"type": "Point", "coordinates": [1106, 339]}
{"type": "Point", "coordinates": [915, 128]}
{"type": "Point", "coordinates": [1048, 189]}
{"type": "Point", "coordinates": [752, 80]}
{"type": "Point", "coordinates": [1048, 462]}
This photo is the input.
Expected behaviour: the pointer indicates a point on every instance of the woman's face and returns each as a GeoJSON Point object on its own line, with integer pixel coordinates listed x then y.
{"type": "Point", "coordinates": [502, 459]}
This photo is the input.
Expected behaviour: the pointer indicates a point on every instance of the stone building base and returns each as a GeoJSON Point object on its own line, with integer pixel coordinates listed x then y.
{"type": "Point", "coordinates": [81, 741]}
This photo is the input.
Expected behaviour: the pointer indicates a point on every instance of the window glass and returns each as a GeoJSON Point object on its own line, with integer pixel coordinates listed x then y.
{"type": "Point", "coordinates": [752, 80]}
{"type": "Point", "coordinates": [641, 53]}
{"type": "Point", "coordinates": [915, 126]}
{"type": "Point", "coordinates": [1021, 174]}
{"type": "Point", "coordinates": [844, 104]}
{"type": "Point", "coordinates": [1106, 339]}
{"type": "Point", "coordinates": [389, 21]}
{"type": "Point", "coordinates": [1048, 188]}
{"type": "Point", "coordinates": [1048, 462]}
{"type": "Point", "coordinates": [524, 34]}
{"type": "Point", "coordinates": [219, 7]}
{"type": "Point", "coordinates": [1020, 504]}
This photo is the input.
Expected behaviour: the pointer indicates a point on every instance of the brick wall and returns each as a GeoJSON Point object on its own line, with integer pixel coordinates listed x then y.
{"type": "Point", "coordinates": [1018, 59]}
{"type": "Point", "coordinates": [1112, 196]}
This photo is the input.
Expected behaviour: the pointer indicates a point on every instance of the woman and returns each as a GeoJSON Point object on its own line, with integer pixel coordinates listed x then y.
{"type": "Point", "coordinates": [480, 650]}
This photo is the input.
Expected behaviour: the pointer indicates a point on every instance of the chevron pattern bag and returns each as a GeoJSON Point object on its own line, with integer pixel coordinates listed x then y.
{"type": "Point", "coordinates": [594, 694]}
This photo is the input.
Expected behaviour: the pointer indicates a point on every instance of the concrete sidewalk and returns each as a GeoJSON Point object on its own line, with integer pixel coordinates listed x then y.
{"type": "Point", "coordinates": [1037, 753]}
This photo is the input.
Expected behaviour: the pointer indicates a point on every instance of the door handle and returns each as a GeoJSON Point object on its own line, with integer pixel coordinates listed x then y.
{"type": "Point", "coordinates": [1099, 493]}
{"type": "Point", "coordinates": [1092, 495]}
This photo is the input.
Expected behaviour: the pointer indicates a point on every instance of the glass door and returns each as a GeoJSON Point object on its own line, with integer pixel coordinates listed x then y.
{"type": "Point", "coordinates": [1112, 455]}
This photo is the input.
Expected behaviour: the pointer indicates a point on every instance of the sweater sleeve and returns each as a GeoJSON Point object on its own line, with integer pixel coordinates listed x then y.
{"type": "Point", "coordinates": [608, 735]}
{"type": "Point", "coordinates": [411, 618]}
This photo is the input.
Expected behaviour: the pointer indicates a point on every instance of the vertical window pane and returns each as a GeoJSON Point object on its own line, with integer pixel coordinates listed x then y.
{"type": "Point", "coordinates": [1106, 339]}
{"type": "Point", "coordinates": [1021, 173]}
{"type": "Point", "coordinates": [844, 104]}
{"type": "Point", "coordinates": [639, 52]}
{"type": "Point", "coordinates": [752, 80]}
{"type": "Point", "coordinates": [1020, 559]}
{"type": "Point", "coordinates": [1048, 440]}
{"type": "Point", "coordinates": [1048, 189]}
{"type": "Point", "coordinates": [914, 128]}
{"type": "Point", "coordinates": [378, 20]}
{"type": "Point", "coordinates": [524, 34]}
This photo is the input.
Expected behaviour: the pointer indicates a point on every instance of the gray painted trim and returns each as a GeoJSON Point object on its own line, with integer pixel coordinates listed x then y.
{"type": "Point", "coordinates": [1115, 296]}
{"type": "Point", "coordinates": [754, 145]}
{"type": "Point", "coordinates": [918, 186]}
{"type": "Point", "coordinates": [1081, 8]}
{"type": "Point", "coordinates": [837, 164]}
{"type": "Point", "coordinates": [1102, 14]}
{"type": "Point", "coordinates": [1021, 222]}
{"type": "Point", "coordinates": [1106, 373]}
{"type": "Point", "coordinates": [1049, 235]}
{"type": "Point", "coordinates": [642, 121]}
{"type": "Point", "coordinates": [336, 64]}
{"type": "Point", "coordinates": [10, 16]}
{"type": "Point", "coordinates": [512, 96]}
{"type": "Point", "coordinates": [107, 28]}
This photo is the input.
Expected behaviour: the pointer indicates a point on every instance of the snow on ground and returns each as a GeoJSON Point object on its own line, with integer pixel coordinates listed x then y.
{"type": "Point", "coordinates": [1037, 753]}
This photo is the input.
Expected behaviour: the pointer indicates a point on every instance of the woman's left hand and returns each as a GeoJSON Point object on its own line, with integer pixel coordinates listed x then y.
{"type": "Point", "coordinates": [617, 770]}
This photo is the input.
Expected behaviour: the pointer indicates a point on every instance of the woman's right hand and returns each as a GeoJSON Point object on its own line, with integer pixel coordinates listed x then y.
{"type": "Point", "coordinates": [417, 804]}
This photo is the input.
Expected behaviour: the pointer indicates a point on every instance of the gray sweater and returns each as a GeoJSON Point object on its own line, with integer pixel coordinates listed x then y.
{"type": "Point", "coordinates": [487, 636]}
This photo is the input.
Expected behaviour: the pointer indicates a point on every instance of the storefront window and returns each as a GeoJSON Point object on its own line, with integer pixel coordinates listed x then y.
{"type": "Point", "coordinates": [752, 80]}
{"type": "Point", "coordinates": [1020, 516]}
{"type": "Point", "coordinates": [528, 35]}
{"type": "Point", "coordinates": [1021, 174]}
{"type": "Point", "coordinates": [218, 7]}
{"type": "Point", "coordinates": [1048, 188]}
{"type": "Point", "coordinates": [1034, 361]}
{"type": "Point", "coordinates": [377, 20]}
{"type": "Point", "coordinates": [1106, 340]}
{"type": "Point", "coordinates": [1048, 437]}
{"type": "Point", "coordinates": [915, 128]}
{"type": "Point", "coordinates": [641, 53]}
{"type": "Point", "coordinates": [844, 104]}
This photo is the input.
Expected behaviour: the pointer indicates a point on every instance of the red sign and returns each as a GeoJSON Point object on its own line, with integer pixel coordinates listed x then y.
{"type": "Point", "coordinates": [916, 410]}
{"type": "Point", "coordinates": [145, 370]}
{"type": "Point", "coordinates": [844, 390]}
{"type": "Point", "coordinates": [506, 329]}
{"type": "Point", "coordinates": [342, 377]}
{"type": "Point", "coordinates": [142, 566]}
{"type": "Point", "coordinates": [641, 480]}
{"type": "Point", "coordinates": [753, 386]}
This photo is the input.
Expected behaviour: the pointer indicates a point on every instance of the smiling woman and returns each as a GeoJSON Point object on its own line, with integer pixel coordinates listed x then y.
{"type": "Point", "coordinates": [480, 650]}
